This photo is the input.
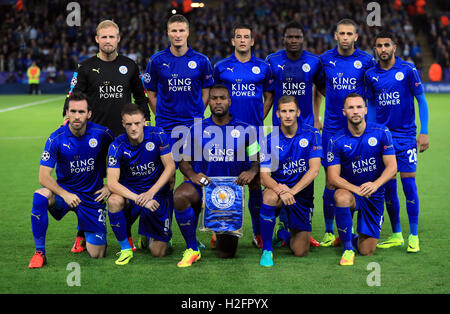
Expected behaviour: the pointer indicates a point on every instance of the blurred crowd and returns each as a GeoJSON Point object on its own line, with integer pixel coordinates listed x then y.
{"type": "Point", "coordinates": [39, 32]}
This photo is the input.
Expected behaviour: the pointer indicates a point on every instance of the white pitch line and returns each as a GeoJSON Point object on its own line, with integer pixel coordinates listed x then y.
{"type": "Point", "coordinates": [30, 104]}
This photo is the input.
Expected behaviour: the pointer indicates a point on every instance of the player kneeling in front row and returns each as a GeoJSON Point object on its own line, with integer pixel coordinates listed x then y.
{"type": "Point", "coordinates": [360, 159]}
{"type": "Point", "coordinates": [78, 150]}
{"type": "Point", "coordinates": [140, 165]}
{"type": "Point", "coordinates": [288, 172]}
{"type": "Point", "coordinates": [219, 146]}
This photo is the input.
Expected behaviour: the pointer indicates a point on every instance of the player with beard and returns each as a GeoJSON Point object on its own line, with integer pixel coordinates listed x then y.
{"type": "Point", "coordinates": [109, 80]}
{"type": "Point", "coordinates": [344, 67]}
{"type": "Point", "coordinates": [361, 159]}
{"type": "Point", "coordinates": [391, 87]}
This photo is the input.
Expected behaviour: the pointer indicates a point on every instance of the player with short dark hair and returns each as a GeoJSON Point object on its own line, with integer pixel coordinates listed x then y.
{"type": "Point", "coordinates": [78, 150]}
{"type": "Point", "coordinates": [288, 172]}
{"type": "Point", "coordinates": [177, 80]}
{"type": "Point", "coordinates": [344, 67]}
{"type": "Point", "coordinates": [361, 159]}
{"type": "Point", "coordinates": [249, 80]}
{"type": "Point", "coordinates": [140, 165]}
{"type": "Point", "coordinates": [241, 147]}
{"type": "Point", "coordinates": [298, 73]}
{"type": "Point", "coordinates": [295, 73]}
{"type": "Point", "coordinates": [392, 86]}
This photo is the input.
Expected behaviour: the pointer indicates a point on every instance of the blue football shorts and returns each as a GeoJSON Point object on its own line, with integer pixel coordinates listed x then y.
{"type": "Point", "coordinates": [158, 224]}
{"type": "Point", "coordinates": [91, 214]}
{"type": "Point", "coordinates": [300, 214]}
{"type": "Point", "coordinates": [406, 153]}
{"type": "Point", "coordinates": [370, 215]}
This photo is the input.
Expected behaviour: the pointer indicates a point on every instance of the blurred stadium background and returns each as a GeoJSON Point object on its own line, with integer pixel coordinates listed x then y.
{"type": "Point", "coordinates": [37, 31]}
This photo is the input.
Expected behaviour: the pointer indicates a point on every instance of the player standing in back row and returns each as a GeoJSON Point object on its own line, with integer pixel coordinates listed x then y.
{"type": "Point", "coordinates": [178, 81]}
{"type": "Point", "coordinates": [391, 87]}
{"type": "Point", "coordinates": [344, 67]}
{"type": "Point", "coordinates": [249, 80]}
{"type": "Point", "coordinates": [109, 80]}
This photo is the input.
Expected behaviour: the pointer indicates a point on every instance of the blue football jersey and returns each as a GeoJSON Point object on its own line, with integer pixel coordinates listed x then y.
{"type": "Point", "coordinates": [246, 82]}
{"type": "Point", "coordinates": [223, 150]}
{"type": "Point", "coordinates": [178, 82]}
{"type": "Point", "coordinates": [80, 161]}
{"type": "Point", "coordinates": [361, 158]}
{"type": "Point", "coordinates": [393, 93]}
{"type": "Point", "coordinates": [140, 165]}
{"type": "Point", "coordinates": [288, 158]}
{"type": "Point", "coordinates": [295, 78]}
{"type": "Point", "coordinates": [343, 75]}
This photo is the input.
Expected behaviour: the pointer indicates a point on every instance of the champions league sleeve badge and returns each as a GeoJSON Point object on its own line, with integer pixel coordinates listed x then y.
{"type": "Point", "coordinates": [223, 206]}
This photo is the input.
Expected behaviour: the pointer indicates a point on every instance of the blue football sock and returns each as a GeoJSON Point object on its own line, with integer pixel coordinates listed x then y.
{"type": "Point", "coordinates": [186, 223]}
{"type": "Point", "coordinates": [118, 224]}
{"type": "Point", "coordinates": [267, 224]}
{"type": "Point", "coordinates": [39, 221]}
{"type": "Point", "coordinates": [412, 203]}
{"type": "Point", "coordinates": [283, 217]}
{"type": "Point", "coordinates": [355, 242]}
{"type": "Point", "coordinates": [344, 223]}
{"type": "Point", "coordinates": [328, 209]}
{"type": "Point", "coordinates": [393, 205]}
{"type": "Point", "coordinates": [254, 206]}
{"type": "Point", "coordinates": [284, 235]}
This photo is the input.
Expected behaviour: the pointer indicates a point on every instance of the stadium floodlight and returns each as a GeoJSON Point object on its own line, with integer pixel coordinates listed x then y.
{"type": "Point", "coordinates": [197, 4]}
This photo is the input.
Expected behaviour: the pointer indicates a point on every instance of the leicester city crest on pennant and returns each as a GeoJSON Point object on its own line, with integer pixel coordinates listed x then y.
{"type": "Point", "coordinates": [223, 197]}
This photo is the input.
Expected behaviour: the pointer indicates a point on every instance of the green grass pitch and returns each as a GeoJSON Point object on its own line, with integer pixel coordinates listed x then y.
{"type": "Point", "coordinates": [23, 132]}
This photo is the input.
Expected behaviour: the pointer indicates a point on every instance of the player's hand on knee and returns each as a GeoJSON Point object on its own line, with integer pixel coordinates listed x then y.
{"type": "Point", "coordinates": [103, 194]}
{"type": "Point", "coordinates": [200, 179]}
{"type": "Point", "coordinates": [368, 188]}
{"type": "Point", "coordinates": [71, 199]}
{"type": "Point", "coordinates": [152, 205]}
{"type": "Point", "coordinates": [143, 198]}
{"type": "Point", "coordinates": [285, 189]}
{"type": "Point", "coordinates": [245, 177]}
{"type": "Point", "coordinates": [287, 198]}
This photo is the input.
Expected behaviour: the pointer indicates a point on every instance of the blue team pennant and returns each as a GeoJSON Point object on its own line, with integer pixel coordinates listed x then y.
{"type": "Point", "coordinates": [223, 206]}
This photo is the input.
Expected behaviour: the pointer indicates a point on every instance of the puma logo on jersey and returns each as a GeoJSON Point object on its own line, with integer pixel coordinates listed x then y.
{"type": "Point", "coordinates": [348, 146]}
{"type": "Point", "coordinates": [125, 152]}
{"type": "Point", "coordinates": [333, 62]}
{"type": "Point", "coordinates": [282, 66]}
{"type": "Point", "coordinates": [375, 78]}
{"type": "Point", "coordinates": [96, 70]}
{"type": "Point", "coordinates": [230, 69]}
{"type": "Point", "coordinates": [166, 65]}
{"type": "Point", "coordinates": [68, 146]}
{"type": "Point", "coordinates": [279, 147]}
